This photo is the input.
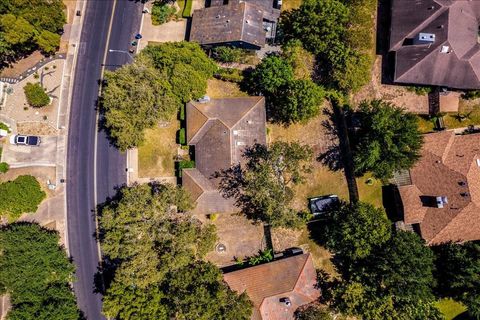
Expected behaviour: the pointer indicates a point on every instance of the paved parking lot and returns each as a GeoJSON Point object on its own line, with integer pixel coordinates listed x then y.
{"type": "Point", "coordinates": [23, 156]}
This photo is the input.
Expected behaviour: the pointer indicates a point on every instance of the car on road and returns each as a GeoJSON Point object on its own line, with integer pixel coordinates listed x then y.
{"type": "Point", "coordinates": [138, 36]}
{"type": "Point", "coordinates": [20, 139]}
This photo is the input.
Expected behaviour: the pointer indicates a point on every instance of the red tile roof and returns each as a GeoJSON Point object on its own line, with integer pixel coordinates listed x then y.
{"type": "Point", "coordinates": [266, 284]}
{"type": "Point", "coordinates": [449, 168]}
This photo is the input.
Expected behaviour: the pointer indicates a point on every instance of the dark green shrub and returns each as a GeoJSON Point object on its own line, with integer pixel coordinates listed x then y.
{"type": "Point", "coordinates": [181, 136]}
{"type": "Point", "coordinates": [184, 164]}
{"type": "Point", "coordinates": [182, 113]}
{"type": "Point", "coordinates": [36, 95]}
{"type": "Point", "coordinates": [162, 13]}
{"type": "Point", "coordinates": [4, 167]}
{"type": "Point", "coordinates": [3, 126]}
{"type": "Point", "coordinates": [471, 94]}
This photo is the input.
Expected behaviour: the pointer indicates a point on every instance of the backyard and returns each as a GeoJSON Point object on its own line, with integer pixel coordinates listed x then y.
{"type": "Point", "coordinates": [322, 181]}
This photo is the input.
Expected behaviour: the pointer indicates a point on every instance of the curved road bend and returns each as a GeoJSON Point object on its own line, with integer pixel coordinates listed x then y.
{"type": "Point", "coordinates": [81, 139]}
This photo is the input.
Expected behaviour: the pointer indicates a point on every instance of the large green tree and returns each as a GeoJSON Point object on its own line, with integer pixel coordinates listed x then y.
{"type": "Point", "coordinates": [157, 255]}
{"type": "Point", "coordinates": [35, 271]}
{"type": "Point", "coordinates": [297, 101]}
{"type": "Point", "coordinates": [186, 65]}
{"type": "Point", "coordinates": [388, 139]}
{"type": "Point", "coordinates": [325, 27]}
{"type": "Point", "coordinates": [458, 273]}
{"type": "Point", "coordinates": [394, 282]}
{"type": "Point", "coordinates": [264, 187]}
{"type": "Point", "coordinates": [29, 25]}
{"type": "Point", "coordinates": [136, 97]}
{"type": "Point", "coordinates": [19, 196]}
{"type": "Point", "coordinates": [354, 230]}
{"type": "Point", "coordinates": [152, 88]}
{"type": "Point", "coordinates": [271, 74]}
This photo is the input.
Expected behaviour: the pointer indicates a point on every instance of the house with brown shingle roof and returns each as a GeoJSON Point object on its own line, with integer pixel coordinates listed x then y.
{"type": "Point", "coordinates": [436, 42]}
{"type": "Point", "coordinates": [240, 23]}
{"type": "Point", "coordinates": [220, 130]}
{"type": "Point", "coordinates": [277, 288]}
{"type": "Point", "coordinates": [441, 196]}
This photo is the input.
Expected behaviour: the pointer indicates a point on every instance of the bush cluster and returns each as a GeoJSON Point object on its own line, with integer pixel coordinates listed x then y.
{"type": "Point", "coordinates": [20, 196]}
{"type": "Point", "coordinates": [162, 12]}
{"type": "Point", "coordinates": [36, 95]}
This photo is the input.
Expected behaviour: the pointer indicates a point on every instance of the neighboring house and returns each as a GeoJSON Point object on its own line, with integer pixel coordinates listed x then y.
{"type": "Point", "coordinates": [277, 288]}
{"type": "Point", "coordinates": [247, 24]}
{"type": "Point", "coordinates": [436, 42]}
{"type": "Point", "coordinates": [441, 193]}
{"type": "Point", "coordinates": [220, 130]}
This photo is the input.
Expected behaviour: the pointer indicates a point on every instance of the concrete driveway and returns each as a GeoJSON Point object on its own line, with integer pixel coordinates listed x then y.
{"type": "Point", "coordinates": [24, 156]}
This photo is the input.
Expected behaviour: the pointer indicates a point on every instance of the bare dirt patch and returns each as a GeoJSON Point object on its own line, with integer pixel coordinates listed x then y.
{"type": "Point", "coordinates": [22, 65]}
{"type": "Point", "coordinates": [36, 128]}
{"type": "Point", "coordinates": [240, 236]}
{"type": "Point", "coordinates": [398, 95]}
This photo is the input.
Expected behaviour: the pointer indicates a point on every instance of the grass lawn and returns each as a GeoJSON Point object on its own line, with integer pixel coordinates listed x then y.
{"type": "Point", "coordinates": [181, 6]}
{"type": "Point", "coordinates": [451, 119]}
{"type": "Point", "coordinates": [223, 89]}
{"type": "Point", "coordinates": [291, 4]}
{"type": "Point", "coordinates": [156, 155]}
{"type": "Point", "coordinates": [322, 181]}
{"type": "Point", "coordinates": [452, 309]}
{"type": "Point", "coordinates": [321, 256]}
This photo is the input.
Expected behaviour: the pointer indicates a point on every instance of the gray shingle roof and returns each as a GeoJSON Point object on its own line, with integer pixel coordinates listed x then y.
{"type": "Point", "coordinates": [453, 58]}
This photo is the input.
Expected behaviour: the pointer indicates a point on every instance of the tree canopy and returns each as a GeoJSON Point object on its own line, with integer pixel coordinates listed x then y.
{"type": "Point", "coordinates": [356, 229]}
{"type": "Point", "coordinates": [136, 96]}
{"type": "Point", "coordinates": [271, 74]}
{"type": "Point", "coordinates": [457, 271]}
{"type": "Point", "coordinates": [36, 95]}
{"type": "Point", "coordinates": [19, 196]}
{"type": "Point", "coordinates": [264, 187]}
{"type": "Point", "coordinates": [152, 88]}
{"type": "Point", "coordinates": [297, 101]}
{"type": "Point", "coordinates": [36, 273]}
{"type": "Point", "coordinates": [29, 25]}
{"type": "Point", "coordinates": [157, 255]}
{"type": "Point", "coordinates": [388, 140]}
{"type": "Point", "coordinates": [289, 100]}
{"type": "Point", "coordinates": [394, 282]}
{"type": "Point", "coordinates": [339, 33]}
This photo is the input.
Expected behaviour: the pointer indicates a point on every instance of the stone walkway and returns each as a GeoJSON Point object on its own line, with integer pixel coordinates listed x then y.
{"type": "Point", "coordinates": [29, 72]}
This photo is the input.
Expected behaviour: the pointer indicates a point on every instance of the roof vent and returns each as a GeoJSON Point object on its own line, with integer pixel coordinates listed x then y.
{"type": "Point", "coordinates": [424, 38]}
{"type": "Point", "coordinates": [441, 201]}
{"type": "Point", "coordinates": [218, 17]}
{"type": "Point", "coordinates": [464, 194]}
{"type": "Point", "coordinates": [246, 21]}
{"type": "Point", "coordinates": [286, 301]}
{"type": "Point", "coordinates": [445, 49]}
{"type": "Point", "coordinates": [431, 8]}
{"type": "Point", "coordinates": [478, 162]}
{"type": "Point", "coordinates": [462, 183]}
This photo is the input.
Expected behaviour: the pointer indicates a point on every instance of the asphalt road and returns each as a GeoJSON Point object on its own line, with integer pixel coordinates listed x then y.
{"type": "Point", "coordinates": [110, 163]}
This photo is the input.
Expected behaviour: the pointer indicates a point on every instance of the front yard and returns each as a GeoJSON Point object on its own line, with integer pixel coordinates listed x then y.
{"type": "Point", "coordinates": [156, 156]}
